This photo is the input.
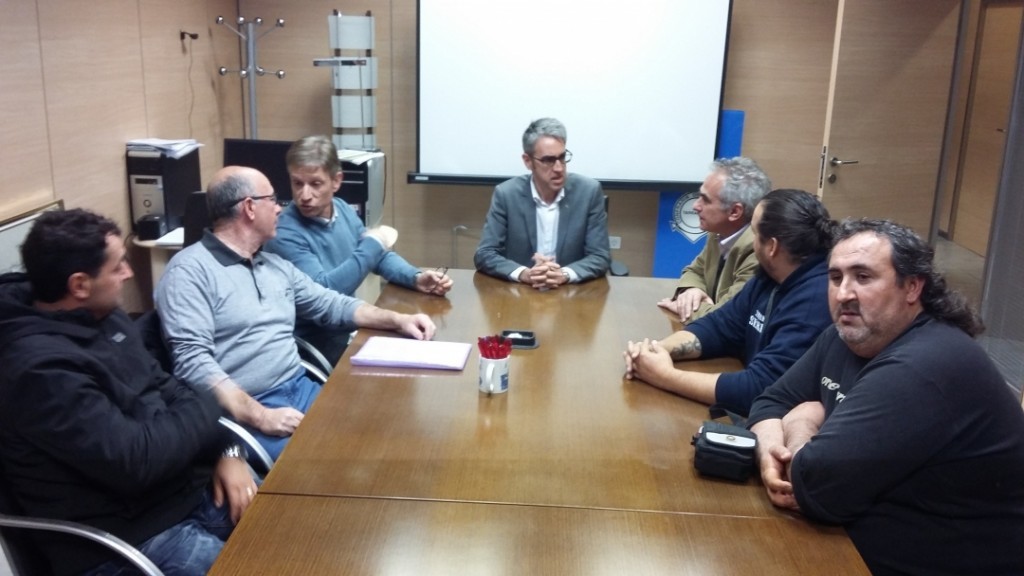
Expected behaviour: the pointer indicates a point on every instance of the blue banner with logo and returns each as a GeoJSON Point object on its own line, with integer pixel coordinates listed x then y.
{"type": "Point", "coordinates": [679, 238]}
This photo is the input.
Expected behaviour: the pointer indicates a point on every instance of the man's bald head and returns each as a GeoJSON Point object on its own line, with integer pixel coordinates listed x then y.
{"type": "Point", "coordinates": [230, 186]}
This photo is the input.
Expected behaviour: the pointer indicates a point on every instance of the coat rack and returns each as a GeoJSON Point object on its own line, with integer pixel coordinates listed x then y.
{"type": "Point", "coordinates": [247, 31]}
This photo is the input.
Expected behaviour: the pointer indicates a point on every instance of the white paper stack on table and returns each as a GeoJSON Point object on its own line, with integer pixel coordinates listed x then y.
{"type": "Point", "coordinates": [409, 353]}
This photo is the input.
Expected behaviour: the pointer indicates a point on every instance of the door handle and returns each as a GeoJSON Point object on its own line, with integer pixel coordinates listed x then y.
{"type": "Point", "coordinates": [837, 162]}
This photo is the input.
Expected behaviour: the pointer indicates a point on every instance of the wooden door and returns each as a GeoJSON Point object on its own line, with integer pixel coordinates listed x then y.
{"type": "Point", "coordinates": [778, 71]}
{"type": "Point", "coordinates": [891, 84]}
{"type": "Point", "coordinates": [995, 64]}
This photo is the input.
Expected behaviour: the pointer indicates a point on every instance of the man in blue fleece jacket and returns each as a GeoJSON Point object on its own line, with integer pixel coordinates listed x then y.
{"type": "Point", "coordinates": [768, 325]}
{"type": "Point", "coordinates": [324, 237]}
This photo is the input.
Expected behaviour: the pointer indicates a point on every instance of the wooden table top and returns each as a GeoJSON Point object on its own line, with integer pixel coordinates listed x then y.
{"type": "Point", "coordinates": [574, 471]}
{"type": "Point", "coordinates": [571, 431]}
{"type": "Point", "coordinates": [303, 535]}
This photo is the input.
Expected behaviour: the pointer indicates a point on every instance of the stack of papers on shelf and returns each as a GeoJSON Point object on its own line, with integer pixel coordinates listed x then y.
{"type": "Point", "coordinates": [170, 148]}
{"type": "Point", "coordinates": [358, 156]}
{"type": "Point", "coordinates": [409, 353]}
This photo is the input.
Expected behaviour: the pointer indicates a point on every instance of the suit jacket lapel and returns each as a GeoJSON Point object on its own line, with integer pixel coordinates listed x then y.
{"type": "Point", "coordinates": [529, 215]}
{"type": "Point", "coordinates": [563, 228]}
{"type": "Point", "coordinates": [712, 264]}
{"type": "Point", "coordinates": [563, 223]}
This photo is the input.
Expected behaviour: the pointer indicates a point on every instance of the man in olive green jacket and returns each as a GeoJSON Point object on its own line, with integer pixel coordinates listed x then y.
{"type": "Point", "coordinates": [725, 206]}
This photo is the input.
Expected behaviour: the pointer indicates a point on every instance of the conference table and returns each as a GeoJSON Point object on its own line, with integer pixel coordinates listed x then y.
{"type": "Point", "coordinates": [575, 470]}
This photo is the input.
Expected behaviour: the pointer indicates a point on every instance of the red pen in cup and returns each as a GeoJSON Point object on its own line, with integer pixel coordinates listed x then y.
{"type": "Point", "coordinates": [494, 360]}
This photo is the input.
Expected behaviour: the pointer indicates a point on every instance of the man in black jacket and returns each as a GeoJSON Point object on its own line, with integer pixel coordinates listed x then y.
{"type": "Point", "coordinates": [91, 429]}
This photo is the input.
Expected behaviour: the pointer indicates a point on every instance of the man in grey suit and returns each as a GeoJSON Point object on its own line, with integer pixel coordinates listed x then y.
{"type": "Point", "coordinates": [549, 227]}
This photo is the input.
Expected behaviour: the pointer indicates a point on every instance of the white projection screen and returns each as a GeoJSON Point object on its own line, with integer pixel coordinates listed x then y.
{"type": "Point", "coordinates": [638, 85]}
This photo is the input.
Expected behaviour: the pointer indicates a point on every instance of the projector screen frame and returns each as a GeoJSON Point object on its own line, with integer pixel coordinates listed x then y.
{"type": "Point", "coordinates": [420, 176]}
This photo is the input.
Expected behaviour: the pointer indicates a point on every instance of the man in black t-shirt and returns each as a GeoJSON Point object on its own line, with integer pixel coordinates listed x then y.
{"type": "Point", "coordinates": [896, 424]}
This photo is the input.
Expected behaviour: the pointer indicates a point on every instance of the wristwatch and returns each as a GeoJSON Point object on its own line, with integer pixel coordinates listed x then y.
{"type": "Point", "coordinates": [235, 451]}
{"type": "Point", "coordinates": [565, 273]}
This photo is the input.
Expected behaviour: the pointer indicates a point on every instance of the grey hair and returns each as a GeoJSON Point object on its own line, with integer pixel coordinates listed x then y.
{"type": "Point", "coordinates": [745, 183]}
{"type": "Point", "coordinates": [223, 196]}
{"type": "Point", "coordinates": [316, 151]}
{"type": "Point", "coordinates": [542, 127]}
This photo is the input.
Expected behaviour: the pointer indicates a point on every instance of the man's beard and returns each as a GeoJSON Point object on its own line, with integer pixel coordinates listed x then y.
{"type": "Point", "coordinates": [851, 334]}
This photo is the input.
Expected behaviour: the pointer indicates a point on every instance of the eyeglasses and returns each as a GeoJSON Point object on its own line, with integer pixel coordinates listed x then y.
{"type": "Point", "coordinates": [549, 161]}
{"type": "Point", "coordinates": [272, 197]}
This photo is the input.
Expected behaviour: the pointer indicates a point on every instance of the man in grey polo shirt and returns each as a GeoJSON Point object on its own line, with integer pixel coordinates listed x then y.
{"type": "Point", "coordinates": [228, 312]}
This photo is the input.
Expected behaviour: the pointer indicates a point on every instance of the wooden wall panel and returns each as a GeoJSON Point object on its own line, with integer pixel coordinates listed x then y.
{"type": "Point", "coordinates": [92, 67]}
{"type": "Point", "coordinates": [180, 76]}
{"type": "Point", "coordinates": [780, 56]}
{"type": "Point", "coordinates": [80, 79]}
{"type": "Point", "coordinates": [26, 180]}
{"type": "Point", "coordinates": [94, 94]}
{"type": "Point", "coordinates": [228, 89]}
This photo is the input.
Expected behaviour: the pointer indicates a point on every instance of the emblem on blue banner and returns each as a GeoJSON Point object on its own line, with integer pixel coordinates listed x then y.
{"type": "Point", "coordinates": [684, 220]}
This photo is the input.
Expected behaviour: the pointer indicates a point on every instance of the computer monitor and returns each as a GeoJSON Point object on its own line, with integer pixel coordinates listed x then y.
{"type": "Point", "coordinates": [267, 156]}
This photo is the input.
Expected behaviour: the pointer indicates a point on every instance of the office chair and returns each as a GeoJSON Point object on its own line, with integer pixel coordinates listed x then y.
{"type": "Point", "coordinates": [316, 365]}
{"type": "Point", "coordinates": [259, 459]}
{"type": "Point", "coordinates": [23, 558]}
{"type": "Point", "coordinates": [196, 218]}
{"type": "Point", "coordinates": [152, 338]}
{"type": "Point", "coordinates": [617, 268]}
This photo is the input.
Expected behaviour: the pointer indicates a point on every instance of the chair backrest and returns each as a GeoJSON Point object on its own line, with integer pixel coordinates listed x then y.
{"type": "Point", "coordinates": [23, 556]}
{"type": "Point", "coordinates": [197, 218]}
{"type": "Point", "coordinates": [617, 268]}
{"type": "Point", "coordinates": [259, 459]}
{"type": "Point", "coordinates": [313, 358]}
{"type": "Point", "coordinates": [149, 327]}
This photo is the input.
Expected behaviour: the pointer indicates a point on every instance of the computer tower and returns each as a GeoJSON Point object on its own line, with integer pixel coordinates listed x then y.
{"type": "Point", "coordinates": [160, 185]}
{"type": "Point", "coordinates": [362, 185]}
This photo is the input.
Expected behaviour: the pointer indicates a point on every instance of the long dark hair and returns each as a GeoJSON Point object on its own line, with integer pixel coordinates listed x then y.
{"type": "Point", "coordinates": [798, 220]}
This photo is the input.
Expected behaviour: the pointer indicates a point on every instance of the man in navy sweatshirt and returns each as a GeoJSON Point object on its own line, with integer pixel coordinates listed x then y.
{"type": "Point", "coordinates": [768, 325]}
